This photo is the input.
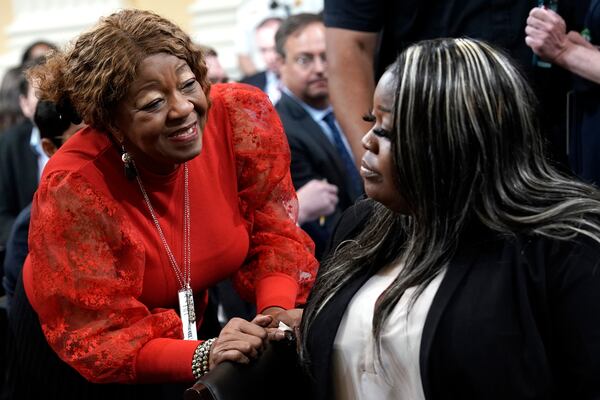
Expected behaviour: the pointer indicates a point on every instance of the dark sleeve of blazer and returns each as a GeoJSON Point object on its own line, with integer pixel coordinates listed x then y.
{"type": "Point", "coordinates": [16, 251]}
{"type": "Point", "coordinates": [301, 167]}
{"type": "Point", "coordinates": [18, 175]}
{"type": "Point", "coordinates": [258, 80]}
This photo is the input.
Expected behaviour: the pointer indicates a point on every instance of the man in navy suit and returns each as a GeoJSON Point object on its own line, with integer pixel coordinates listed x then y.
{"type": "Point", "coordinates": [320, 152]}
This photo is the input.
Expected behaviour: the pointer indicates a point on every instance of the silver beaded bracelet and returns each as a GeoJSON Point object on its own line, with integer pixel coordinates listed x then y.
{"type": "Point", "coordinates": [200, 364]}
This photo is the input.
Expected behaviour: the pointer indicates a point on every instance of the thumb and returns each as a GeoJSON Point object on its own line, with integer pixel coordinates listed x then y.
{"type": "Point", "coordinates": [262, 320]}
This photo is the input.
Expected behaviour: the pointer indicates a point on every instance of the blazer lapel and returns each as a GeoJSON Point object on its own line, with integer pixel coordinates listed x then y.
{"type": "Point", "coordinates": [457, 269]}
{"type": "Point", "coordinates": [324, 331]}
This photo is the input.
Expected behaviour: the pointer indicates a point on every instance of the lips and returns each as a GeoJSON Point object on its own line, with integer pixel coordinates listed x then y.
{"type": "Point", "coordinates": [367, 172]}
{"type": "Point", "coordinates": [185, 134]}
{"type": "Point", "coordinates": [319, 81]}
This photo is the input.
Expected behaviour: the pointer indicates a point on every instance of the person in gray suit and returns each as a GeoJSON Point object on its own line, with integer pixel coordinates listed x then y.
{"type": "Point", "coordinates": [319, 150]}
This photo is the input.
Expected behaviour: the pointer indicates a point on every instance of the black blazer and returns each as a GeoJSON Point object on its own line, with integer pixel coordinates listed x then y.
{"type": "Point", "coordinates": [314, 157]}
{"type": "Point", "coordinates": [18, 175]}
{"type": "Point", "coordinates": [514, 318]}
{"type": "Point", "coordinates": [259, 80]}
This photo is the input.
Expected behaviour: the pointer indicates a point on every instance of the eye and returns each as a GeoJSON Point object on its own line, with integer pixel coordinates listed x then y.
{"type": "Point", "coordinates": [369, 117]}
{"type": "Point", "coordinates": [189, 84]}
{"type": "Point", "coordinates": [304, 60]}
{"type": "Point", "coordinates": [382, 132]}
{"type": "Point", "coordinates": [153, 105]}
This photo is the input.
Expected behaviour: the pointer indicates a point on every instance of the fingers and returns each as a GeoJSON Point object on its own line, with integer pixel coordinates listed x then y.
{"type": "Point", "coordinates": [263, 320]}
{"type": "Point", "coordinates": [291, 318]}
{"type": "Point", "coordinates": [545, 14]}
{"type": "Point", "coordinates": [546, 34]}
{"type": "Point", "coordinates": [275, 334]}
{"type": "Point", "coordinates": [240, 340]}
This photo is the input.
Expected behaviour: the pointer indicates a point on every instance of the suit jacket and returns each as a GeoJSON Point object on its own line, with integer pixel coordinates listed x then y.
{"type": "Point", "coordinates": [514, 318]}
{"type": "Point", "coordinates": [259, 80]}
{"type": "Point", "coordinates": [17, 248]}
{"type": "Point", "coordinates": [314, 157]}
{"type": "Point", "coordinates": [18, 175]}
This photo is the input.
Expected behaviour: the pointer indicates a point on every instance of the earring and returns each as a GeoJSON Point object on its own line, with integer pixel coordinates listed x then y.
{"type": "Point", "coordinates": [130, 171]}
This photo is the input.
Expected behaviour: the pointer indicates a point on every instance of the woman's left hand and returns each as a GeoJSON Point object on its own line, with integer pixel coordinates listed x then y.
{"type": "Point", "coordinates": [240, 340]}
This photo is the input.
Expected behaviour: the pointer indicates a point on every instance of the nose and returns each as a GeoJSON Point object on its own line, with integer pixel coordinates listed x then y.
{"type": "Point", "coordinates": [319, 64]}
{"type": "Point", "coordinates": [369, 141]}
{"type": "Point", "coordinates": [181, 107]}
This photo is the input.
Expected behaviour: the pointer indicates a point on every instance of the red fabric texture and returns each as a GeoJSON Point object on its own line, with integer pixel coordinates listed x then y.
{"type": "Point", "coordinates": [98, 274]}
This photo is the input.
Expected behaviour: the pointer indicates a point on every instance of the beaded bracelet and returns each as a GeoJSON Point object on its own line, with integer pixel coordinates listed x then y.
{"type": "Point", "coordinates": [200, 360]}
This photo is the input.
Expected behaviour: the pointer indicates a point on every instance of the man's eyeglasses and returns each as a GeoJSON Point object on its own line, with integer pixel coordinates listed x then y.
{"type": "Point", "coordinates": [306, 61]}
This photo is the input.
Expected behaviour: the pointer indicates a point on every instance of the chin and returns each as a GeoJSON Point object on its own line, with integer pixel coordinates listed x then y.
{"type": "Point", "coordinates": [180, 156]}
{"type": "Point", "coordinates": [393, 202]}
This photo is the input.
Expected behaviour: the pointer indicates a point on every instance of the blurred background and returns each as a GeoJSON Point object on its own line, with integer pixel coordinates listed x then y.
{"type": "Point", "coordinates": [210, 22]}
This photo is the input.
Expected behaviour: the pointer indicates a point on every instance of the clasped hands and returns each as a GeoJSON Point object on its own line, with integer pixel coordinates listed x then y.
{"type": "Point", "coordinates": [548, 37]}
{"type": "Point", "coordinates": [241, 341]}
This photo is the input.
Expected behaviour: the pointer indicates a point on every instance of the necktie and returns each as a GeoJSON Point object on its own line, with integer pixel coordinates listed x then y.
{"type": "Point", "coordinates": [346, 158]}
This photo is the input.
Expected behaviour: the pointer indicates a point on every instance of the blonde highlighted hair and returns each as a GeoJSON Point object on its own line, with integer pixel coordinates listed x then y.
{"type": "Point", "coordinates": [467, 152]}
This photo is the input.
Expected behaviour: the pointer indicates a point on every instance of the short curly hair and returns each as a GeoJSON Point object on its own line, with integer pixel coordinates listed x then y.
{"type": "Point", "coordinates": [91, 77]}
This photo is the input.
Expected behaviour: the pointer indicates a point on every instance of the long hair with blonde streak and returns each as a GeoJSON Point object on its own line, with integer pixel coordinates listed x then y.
{"type": "Point", "coordinates": [467, 150]}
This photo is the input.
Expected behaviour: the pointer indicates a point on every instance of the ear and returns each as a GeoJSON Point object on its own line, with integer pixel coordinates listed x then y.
{"type": "Point", "coordinates": [279, 61]}
{"type": "Point", "coordinates": [116, 133]}
{"type": "Point", "coordinates": [281, 66]}
{"type": "Point", "coordinates": [48, 147]}
{"type": "Point", "coordinates": [24, 106]}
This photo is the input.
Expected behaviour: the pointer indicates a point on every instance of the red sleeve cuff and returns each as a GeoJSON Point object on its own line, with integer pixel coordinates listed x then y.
{"type": "Point", "coordinates": [276, 290]}
{"type": "Point", "coordinates": [166, 360]}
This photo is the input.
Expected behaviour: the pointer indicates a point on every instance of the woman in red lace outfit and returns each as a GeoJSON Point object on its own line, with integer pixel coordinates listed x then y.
{"type": "Point", "coordinates": [173, 187]}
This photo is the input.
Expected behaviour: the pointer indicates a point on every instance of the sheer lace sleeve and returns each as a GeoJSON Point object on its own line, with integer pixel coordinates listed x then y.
{"type": "Point", "coordinates": [87, 270]}
{"type": "Point", "coordinates": [280, 267]}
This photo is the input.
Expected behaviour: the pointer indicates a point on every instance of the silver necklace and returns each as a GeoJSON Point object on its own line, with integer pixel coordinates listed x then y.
{"type": "Point", "coordinates": [184, 278]}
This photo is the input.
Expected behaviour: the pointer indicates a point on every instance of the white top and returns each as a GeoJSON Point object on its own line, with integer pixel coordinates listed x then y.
{"type": "Point", "coordinates": [357, 372]}
{"type": "Point", "coordinates": [273, 87]}
{"type": "Point", "coordinates": [35, 141]}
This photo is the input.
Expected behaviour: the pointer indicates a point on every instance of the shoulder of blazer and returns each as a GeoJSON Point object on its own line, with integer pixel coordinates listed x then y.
{"type": "Point", "coordinates": [289, 108]}
{"type": "Point", "coordinates": [259, 80]}
{"type": "Point", "coordinates": [14, 142]}
{"type": "Point", "coordinates": [17, 133]}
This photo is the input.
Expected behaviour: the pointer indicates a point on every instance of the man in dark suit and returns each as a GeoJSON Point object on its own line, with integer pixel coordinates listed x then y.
{"type": "Point", "coordinates": [319, 149]}
{"type": "Point", "coordinates": [20, 164]}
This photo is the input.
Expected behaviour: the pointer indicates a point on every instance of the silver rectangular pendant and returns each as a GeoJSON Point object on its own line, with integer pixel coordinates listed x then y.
{"type": "Point", "coordinates": [187, 313]}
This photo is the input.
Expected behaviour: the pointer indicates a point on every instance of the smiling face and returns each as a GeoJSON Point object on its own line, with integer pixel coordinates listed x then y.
{"type": "Point", "coordinates": [160, 121]}
{"type": "Point", "coordinates": [377, 165]}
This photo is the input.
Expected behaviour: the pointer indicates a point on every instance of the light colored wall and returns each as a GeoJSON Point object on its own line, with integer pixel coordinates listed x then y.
{"type": "Point", "coordinates": [6, 15]}
{"type": "Point", "coordinates": [22, 21]}
{"type": "Point", "coordinates": [175, 10]}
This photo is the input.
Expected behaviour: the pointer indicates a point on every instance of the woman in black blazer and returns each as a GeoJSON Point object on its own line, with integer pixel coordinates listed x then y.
{"type": "Point", "coordinates": [472, 271]}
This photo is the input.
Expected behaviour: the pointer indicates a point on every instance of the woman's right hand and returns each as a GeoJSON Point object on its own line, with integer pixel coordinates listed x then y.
{"type": "Point", "coordinates": [546, 34]}
{"type": "Point", "coordinates": [240, 341]}
{"type": "Point", "coordinates": [315, 199]}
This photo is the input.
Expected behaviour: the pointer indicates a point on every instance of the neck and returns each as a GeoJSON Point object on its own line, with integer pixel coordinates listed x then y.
{"type": "Point", "coordinates": [153, 168]}
{"type": "Point", "coordinates": [319, 104]}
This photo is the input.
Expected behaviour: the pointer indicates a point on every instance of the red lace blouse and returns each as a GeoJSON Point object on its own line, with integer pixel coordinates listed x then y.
{"type": "Point", "coordinates": [98, 274]}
